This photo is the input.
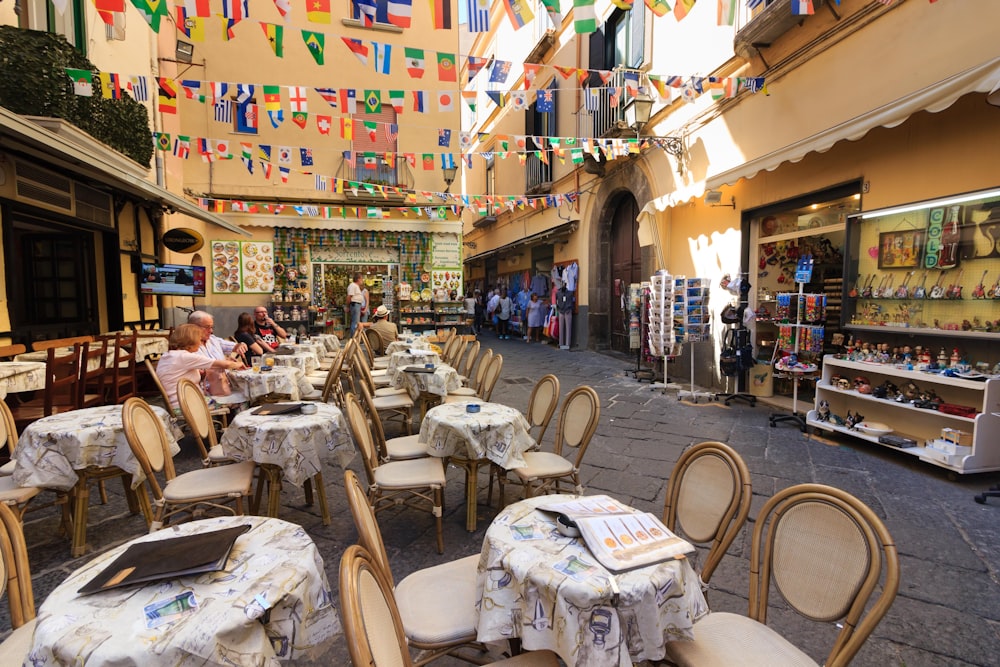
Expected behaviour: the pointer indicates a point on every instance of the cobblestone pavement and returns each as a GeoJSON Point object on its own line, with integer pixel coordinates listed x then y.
{"type": "Point", "coordinates": [948, 608]}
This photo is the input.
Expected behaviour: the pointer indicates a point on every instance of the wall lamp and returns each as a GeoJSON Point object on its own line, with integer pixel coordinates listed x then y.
{"type": "Point", "coordinates": [184, 52]}
{"type": "Point", "coordinates": [449, 176]}
{"type": "Point", "coordinates": [714, 199]}
{"type": "Point", "coordinates": [637, 111]}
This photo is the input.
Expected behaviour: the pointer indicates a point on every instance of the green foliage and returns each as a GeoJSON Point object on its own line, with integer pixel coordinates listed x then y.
{"type": "Point", "coordinates": [33, 82]}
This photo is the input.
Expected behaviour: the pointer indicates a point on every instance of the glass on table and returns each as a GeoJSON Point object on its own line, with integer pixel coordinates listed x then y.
{"type": "Point", "coordinates": [269, 360]}
{"type": "Point", "coordinates": [255, 363]}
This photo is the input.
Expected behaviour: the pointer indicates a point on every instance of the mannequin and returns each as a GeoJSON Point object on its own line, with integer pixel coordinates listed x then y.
{"type": "Point", "coordinates": [565, 300]}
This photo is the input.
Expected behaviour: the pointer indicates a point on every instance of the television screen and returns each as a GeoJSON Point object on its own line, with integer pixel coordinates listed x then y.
{"type": "Point", "coordinates": [172, 280]}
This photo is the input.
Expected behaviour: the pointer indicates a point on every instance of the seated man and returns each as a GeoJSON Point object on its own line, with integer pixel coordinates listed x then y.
{"type": "Point", "coordinates": [381, 325]}
{"type": "Point", "coordinates": [268, 333]}
{"type": "Point", "coordinates": [211, 345]}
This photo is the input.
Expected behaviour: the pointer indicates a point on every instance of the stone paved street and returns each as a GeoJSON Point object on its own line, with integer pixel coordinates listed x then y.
{"type": "Point", "coordinates": [948, 608]}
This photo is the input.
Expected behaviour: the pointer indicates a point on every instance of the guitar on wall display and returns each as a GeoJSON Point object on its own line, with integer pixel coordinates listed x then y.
{"type": "Point", "coordinates": [903, 292]}
{"type": "Point", "coordinates": [980, 290]}
{"type": "Point", "coordinates": [994, 292]}
{"type": "Point", "coordinates": [866, 293]}
{"type": "Point", "coordinates": [937, 291]}
{"type": "Point", "coordinates": [855, 290]}
{"type": "Point", "coordinates": [921, 292]}
{"type": "Point", "coordinates": [950, 238]}
{"type": "Point", "coordinates": [886, 292]}
{"type": "Point", "coordinates": [955, 289]}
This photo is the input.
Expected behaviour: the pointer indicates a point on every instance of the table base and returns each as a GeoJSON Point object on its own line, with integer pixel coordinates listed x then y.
{"type": "Point", "coordinates": [272, 475]}
{"type": "Point", "coordinates": [137, 499]}
{"type": "Point", "coordinates": [471, 467]}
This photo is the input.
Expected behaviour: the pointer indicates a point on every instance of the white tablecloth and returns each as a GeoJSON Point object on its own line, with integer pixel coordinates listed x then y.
{"type": "Point", "coordinates": [307, 362]}
{"type": "Point", "coordinates": [497, 432]}
{"type": "Point", "coordinates": [402, 359]}
{"type": "Point", "coordinates": [284, 380]}
{"type": "Point", "coordinates": [52, 449]}
{"type": "Point", "coordinates": [271, 604]}
{"type": "Point", "coordinates": [440, 382]}
{"type": "Point", "coordinates": [296, 443]}
{"type": "Point", "coordinates": [525, 591]}
{"type": "Point", "coordinates": [18, 376]}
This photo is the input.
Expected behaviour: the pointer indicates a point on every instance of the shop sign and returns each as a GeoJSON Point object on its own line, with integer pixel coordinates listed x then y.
{"type": "Point", "coordinates": [183, 240]}
{"type": "Point", "coordinates": [355, 255]}
{"type": "Point", "coordinates": [446, 251]}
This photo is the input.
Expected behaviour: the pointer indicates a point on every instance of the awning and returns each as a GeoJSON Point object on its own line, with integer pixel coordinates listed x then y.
{"type": "Point", "coordinates": [350, 224]}
{"type": "Point", "coordinates": [20, 134]}
{"type": "Point", "coordinates": [564, 229]}
{"type": "Point", "coordinates": [982, 78]}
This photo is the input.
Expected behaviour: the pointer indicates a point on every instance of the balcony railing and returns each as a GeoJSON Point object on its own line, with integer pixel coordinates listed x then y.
{"type": "Point", "coordinates": [609, 119]}
{"type": "Point", "coordinates": [376, 170]}
{"type": "Point", "coordinates": [758, 27]}
{"type": "Point", "coordinates": [538, 174]}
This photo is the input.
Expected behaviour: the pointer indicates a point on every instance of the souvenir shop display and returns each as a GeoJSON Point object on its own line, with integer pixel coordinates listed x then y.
{"type": "Point", "coordinates": [737, 356]}
{"type": "Point", "coordinates": [692, 323]}
{"type": "Point", "coordinates": [660, 336]}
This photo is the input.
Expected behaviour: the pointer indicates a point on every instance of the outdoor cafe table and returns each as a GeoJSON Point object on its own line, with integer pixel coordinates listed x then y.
{"type": "Point", "coordinates": [271, 602]}
{"type": "Point", "coordinates": [331, 342]}
{"type": "Point", "coordinates": [284, 380]}
{"type": "Point", "coordinates": [411, 357]}
{"type": "Point", "coordinates": [291, 447]}
{"type": "Point", "coordinates": [18, 376]}
{"type": "Point", "coordinates": [307, 362]}
{"type": "Point", "coordinates": [547, 589]}
{"type": "Point", "coordinates": [496, 433]}
{"type": "Point", "coordinates": [52, 449]}
{"type": "Point", "coordinates": [439, 383]}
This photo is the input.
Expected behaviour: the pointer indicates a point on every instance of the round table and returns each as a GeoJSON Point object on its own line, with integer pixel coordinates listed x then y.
{"type": "Point", "coordinates": [496, 433]}
{"type": "Point", "coordinates": [331, 342]}
{"type": "Point", "coordinates": [271, 603]}
{"type": "Point", "coordinates": [548, 590]}
{"type": "Point", "coordinates": [407, 344]}
{"type": "Point", "coordinates": [306, 361]}
{"type": "Point", "coordinates": [411, 357]}
{"type": "Point", "coordinates": [18, 376]}
{"type": "Point", "coordinates": [439, 383]}
{"type": "Point", "coordinates": [285, 380]}
{"type": "Point", "coordinates": [291, 447]}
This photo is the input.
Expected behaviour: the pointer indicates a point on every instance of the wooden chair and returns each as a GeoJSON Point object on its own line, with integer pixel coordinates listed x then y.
{"type": "Point", "coordinates": [546, 472]}
{"type": "Point", "coordinates": [465, 372]}
{"type": "Point", "coordinates": [17, 582]}
{"type": "Point", "coordinates": [486, 385]}
{"type": "Point", "coordinates": [474, 381]}
{"type": "Point", "coordinates": [708, 500]}
{"type": "Point", "coordinates": [372, 623]}
{"type": "Point", "coordinates": [14, 496]}
{"type": "Point", "coordinates": [374, 343]}
{"type": "Point", "coordinates": [396, 404]}
{"type": "Point", "coordinates": [198, 416]}
{"type": "Point", "coordinates": [40, 345]}
{"type": "Point", "coordinates": [394, 449]}
{"type": "Point", "coordinates": [93, 370]}
{"type": "Point", "coordinates": [434, 602]}
{"type": "Point", "coordinates": [8, 352]}
{"type": "Point", "coordinates": [120, 378]}
{"type": "Point", "coordinates": [61, 393]}
{"type": "Point", "coordinates": [191, 492]}
{"type": "Point", "coordinates": [417, 483]}
{"type": "Point", "coordinates": [830, 559]}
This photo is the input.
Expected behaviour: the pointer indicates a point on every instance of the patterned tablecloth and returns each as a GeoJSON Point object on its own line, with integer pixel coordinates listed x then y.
{"type": "Point", "coordinates": [411, 357]}
{"type": "Point", "coordinates": [331, 342]}
{"type": "Point", "coordinates": [42, 356]}
{"type": "Point", "coordinates": [52, 449]}
{"type": "Point", "coordinates": [271, 604]}
{"type": "Point", "coordinates": [307, 362]}
{"type": "Point", "coordinates": [440, 382]}
{"type": "Point", "coordinates": [497, 432]}
{"type": "Point", "coordinates": [17, 376]}
{"type": "Point", "coordinates": [317, 348]}
{"type": "Point", "coordinates": [547, 589]}
{"type": "Point", "coordinates": [294, 442]}
{"type": "Point", "coordinates": [418, 343]}
{"type": "Point", "coordinates": [284, 380]}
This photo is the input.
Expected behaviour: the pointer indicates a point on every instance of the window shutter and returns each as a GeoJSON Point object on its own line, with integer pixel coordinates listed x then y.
{"type": "Point", "coordinates": [637, 27]}
{"type": "Point", "coordinates": [596, 55]}
{"type": "Point", "coordinates": [550, 120]}
{"type": "Point", "coordinates": [362, 142]}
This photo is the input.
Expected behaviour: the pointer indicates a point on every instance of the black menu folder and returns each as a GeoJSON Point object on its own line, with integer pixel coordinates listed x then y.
{"type": "Point", "coordinates": [277, 409]}
{"type": "Point", "coordinates": [167, 559]}
{"type": "Point", "coordinates": [418, 369]}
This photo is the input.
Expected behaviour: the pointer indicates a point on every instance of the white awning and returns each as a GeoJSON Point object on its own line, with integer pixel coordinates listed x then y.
{"type": "Point", "coordinates": [22, 135]}
{"type": "Point", "coordinates": [938, 96]}
{"type": "Point", "coordinates": [349, 224]}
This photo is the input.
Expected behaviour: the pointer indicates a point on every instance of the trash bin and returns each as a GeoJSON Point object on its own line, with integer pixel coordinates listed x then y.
{"type": "Point", "coordinates": [762, 379]}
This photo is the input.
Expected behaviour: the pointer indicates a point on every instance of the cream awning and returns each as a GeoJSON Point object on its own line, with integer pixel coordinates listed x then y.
{"type": "Point", "coordinates": [24, 136]}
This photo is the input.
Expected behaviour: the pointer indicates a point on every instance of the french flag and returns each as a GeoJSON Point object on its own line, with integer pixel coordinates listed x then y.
{"type": "Point", "coordinates": [802, 7]}
{"type": "Point", "coordinates": [399, 12]}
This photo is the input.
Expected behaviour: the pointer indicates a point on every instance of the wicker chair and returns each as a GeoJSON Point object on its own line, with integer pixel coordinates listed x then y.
{"type": "Point", "coordinates": [473, 381]}
{"type": "Point", "coordinates": [829, 557]}
{"type": "Point", "coordinates": [708, 500]}
{"type": "Point", "coordinates": [485, 389]}
{"type": "Point", "coordinates": [17, 579]}
{"type": "Point", "coordinates": [372, 623]}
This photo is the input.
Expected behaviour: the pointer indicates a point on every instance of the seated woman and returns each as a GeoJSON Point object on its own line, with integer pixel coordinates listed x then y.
{"type": "Point", "coordinates": [183, 361]}
{"type": "Point", "coordinates": [246, 333]}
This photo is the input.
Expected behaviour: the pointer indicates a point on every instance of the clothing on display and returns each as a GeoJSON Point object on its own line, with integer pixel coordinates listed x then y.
{"type": "Point", "coordinates": [540, 284]}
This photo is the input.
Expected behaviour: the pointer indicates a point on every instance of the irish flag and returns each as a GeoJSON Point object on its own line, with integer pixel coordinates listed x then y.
{"type": "Point", "coordinates": [584, 16]}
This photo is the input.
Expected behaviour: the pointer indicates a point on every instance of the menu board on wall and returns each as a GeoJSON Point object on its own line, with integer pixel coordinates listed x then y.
{"type": "Point", "coordinates": [446, 251]}
{"type": "Point", "coordinates": [242, 267]}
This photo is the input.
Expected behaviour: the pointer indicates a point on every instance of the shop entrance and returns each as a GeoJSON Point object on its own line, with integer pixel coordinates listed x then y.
{"type": "Point", "coordinates": [626, 266]}
{"type": "Point", "coordinates": [330, 281]}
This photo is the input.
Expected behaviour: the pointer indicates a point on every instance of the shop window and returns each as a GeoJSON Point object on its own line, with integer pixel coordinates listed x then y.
{"type": "Point", "coordinates": [618, 45]}
{"type": "Point", "coordinates": [361, 18]}
{"type": "Point", "coordinates": [374, 147]}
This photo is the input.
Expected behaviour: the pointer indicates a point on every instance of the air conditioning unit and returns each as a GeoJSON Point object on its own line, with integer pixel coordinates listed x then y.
{"type": "Point", "coordinates": [54, 192]}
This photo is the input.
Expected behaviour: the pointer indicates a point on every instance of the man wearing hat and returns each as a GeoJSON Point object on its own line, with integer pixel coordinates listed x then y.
{"type": "Point", "coordinates": [381, 325]}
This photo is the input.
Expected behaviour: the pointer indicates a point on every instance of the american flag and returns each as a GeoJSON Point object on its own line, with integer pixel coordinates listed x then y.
{"type": "Point", "coordinates": [391, 132]}
{"type": "Point", "coordinates": [614, 97]}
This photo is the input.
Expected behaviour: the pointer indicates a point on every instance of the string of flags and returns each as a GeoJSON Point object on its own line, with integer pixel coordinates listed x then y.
{"type": "Point", "coordinates": [238, 101]}
{"type": "Point", "coordinates": [481, 205]}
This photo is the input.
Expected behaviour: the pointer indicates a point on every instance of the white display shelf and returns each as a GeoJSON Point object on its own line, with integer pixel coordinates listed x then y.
{"type": "Point", "coordinates": [914, 331]}
{"type": "Point", "coordinates": [919, 424]}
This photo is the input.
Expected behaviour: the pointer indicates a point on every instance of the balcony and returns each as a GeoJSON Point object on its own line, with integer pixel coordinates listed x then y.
{"type": "Point", "coordinates": [759, 27]}
{"type": "Point", "coordinates": [375, 171]}
{"type": "Point", "coordinates": [608, 120]}
{"type": "Point", "coordinates": [538, 175]}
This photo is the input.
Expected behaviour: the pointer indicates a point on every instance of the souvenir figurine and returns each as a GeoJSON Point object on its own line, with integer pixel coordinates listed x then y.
{"type": "Point", "coordinates": [853, 419]}
{"type": "Point", "coordinates": [823, 411]}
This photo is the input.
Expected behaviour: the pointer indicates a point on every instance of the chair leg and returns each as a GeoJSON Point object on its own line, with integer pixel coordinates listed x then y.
{"type": "Point", "coordinates": [81, 505]}
{"type": "Point", "coordinates": [131, 497]}
{"type": "Point", "coordinates": [104, 494]}
{"type": "Point", "coordinates": [307, 488]}
{"type": "Point", "coordinates": [324, 509]}
{"type": "Point", "coordinates": [258, 492]}
{"type": "Point", "coordinates": [438, 511]}
{"type": "Point", "coordinates": [273, 489]}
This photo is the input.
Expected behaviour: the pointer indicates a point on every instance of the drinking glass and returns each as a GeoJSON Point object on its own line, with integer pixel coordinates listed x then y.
{"type": "Point", "coordinates": [269, 360]}
{"type": "Point", "coordinates": [255, 364]}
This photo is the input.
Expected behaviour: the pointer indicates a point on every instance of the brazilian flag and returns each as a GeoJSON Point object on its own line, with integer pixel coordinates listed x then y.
{"type": "Point", "coordinates": [373, 101]}
{"type": "Point", "coordinates": [163, 141]}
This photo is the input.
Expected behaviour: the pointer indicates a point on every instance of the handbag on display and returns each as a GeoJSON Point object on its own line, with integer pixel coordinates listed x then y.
{"type": "Point", "coordinates": [730, 315]}
{"type": "Point", "coordinates": [729, 359]}
{"type": "Point", "coordinates": [218, 382]}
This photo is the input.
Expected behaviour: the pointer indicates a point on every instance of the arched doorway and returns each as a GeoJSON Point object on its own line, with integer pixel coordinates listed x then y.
{"type": "Point", "coordinates": [626, 265]}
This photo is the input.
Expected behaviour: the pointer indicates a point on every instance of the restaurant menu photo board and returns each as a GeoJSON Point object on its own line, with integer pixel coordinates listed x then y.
{"type": "Point", "coordinates": [242, 267]}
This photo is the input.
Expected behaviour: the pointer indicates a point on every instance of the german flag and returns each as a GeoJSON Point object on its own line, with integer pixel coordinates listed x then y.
{"type": "Point", "coordinates": [441, 14]}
